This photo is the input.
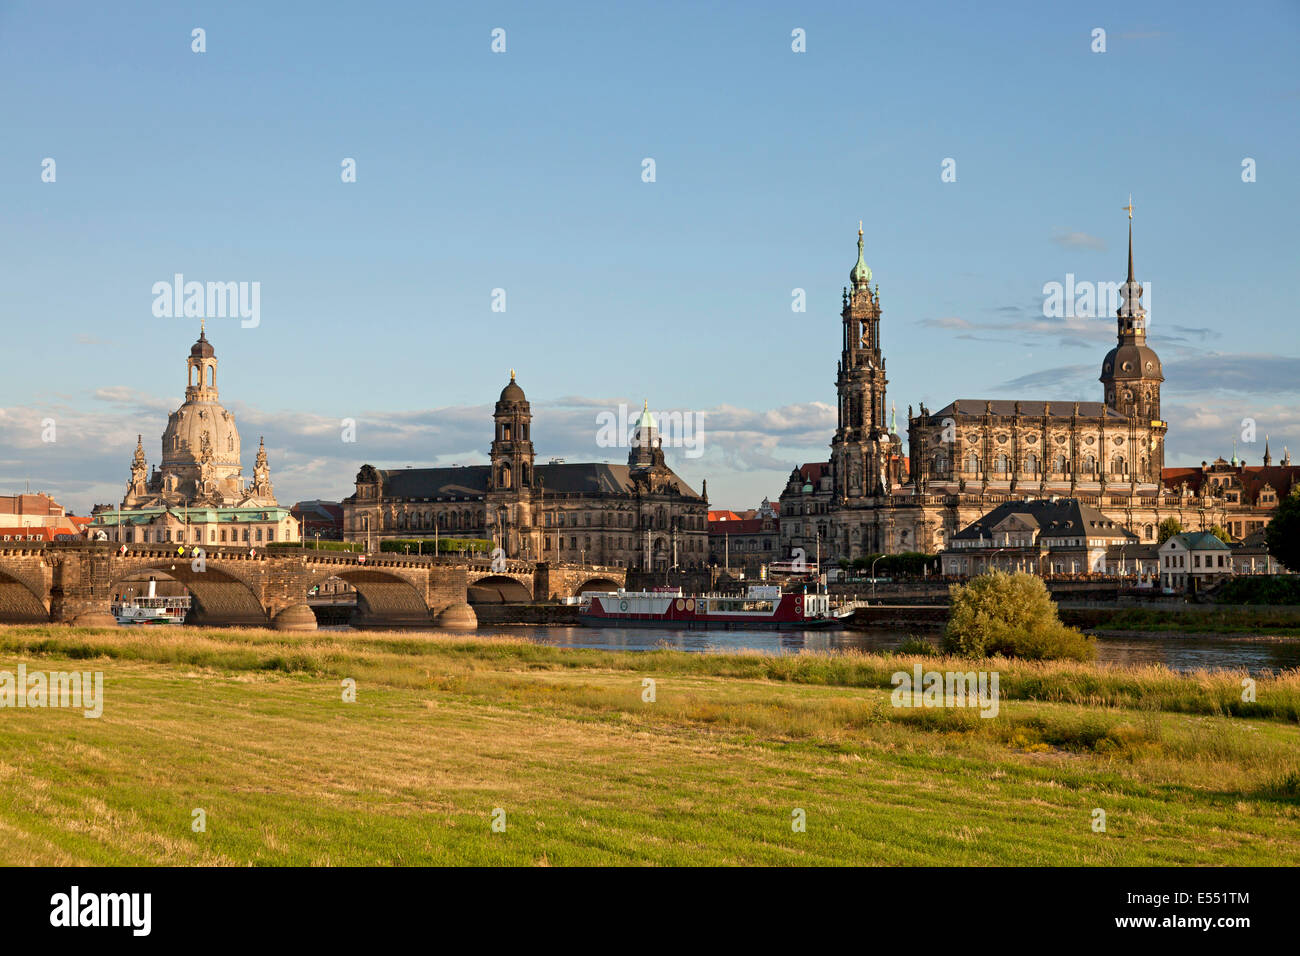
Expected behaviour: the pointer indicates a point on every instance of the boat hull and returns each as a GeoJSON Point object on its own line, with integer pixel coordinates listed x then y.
{"type": "Point", "coordinates": [762, 609]}
{"type": "Point", "coordinates": [703, 624]}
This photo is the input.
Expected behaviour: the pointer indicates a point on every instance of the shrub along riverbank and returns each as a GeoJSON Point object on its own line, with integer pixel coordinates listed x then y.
{"type": "Point", "coordinates": [1217, 620]}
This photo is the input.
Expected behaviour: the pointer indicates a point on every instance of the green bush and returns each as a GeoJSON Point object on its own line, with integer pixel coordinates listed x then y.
{"type": "Point", "coordinates": [1282, 533]}
{"type": "Point", "coordinates": [906, 564]}
{"type": "Point", "coordinates": [1014, 616]}
{"type": "Point", "coordinates": [1259, 589]}
{"type": "Point", "coordinates": [445, 545]}
{"type": "Point", "coordinates": [917, 647]}
{"type": "Point", "coordinates": [1167, 529]}
{"type": "Point", "coordinates": [324, 545]}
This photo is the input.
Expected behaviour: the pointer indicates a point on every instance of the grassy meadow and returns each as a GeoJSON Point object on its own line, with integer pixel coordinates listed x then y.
{"type": "Point", "coordinates": [251, 727]}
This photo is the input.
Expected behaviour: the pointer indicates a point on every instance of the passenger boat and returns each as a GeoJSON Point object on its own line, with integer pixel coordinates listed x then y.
{"type": "Point", "coordinates": [762, 606]}
{"type": "Point", "coordinates": [151, 608]}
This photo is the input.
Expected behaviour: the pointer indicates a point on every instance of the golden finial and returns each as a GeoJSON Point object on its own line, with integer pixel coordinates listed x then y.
{"type": "Point", "coordinates": [1129, 207]}
{"type": "Point", "coordinates": [859, 227]}
{"type": "Point", "coordinates": [645, 405]}
{"type": "Point", "coordinates": [203, 325]}
{"type": "Point", "coordinates": [512, 375]}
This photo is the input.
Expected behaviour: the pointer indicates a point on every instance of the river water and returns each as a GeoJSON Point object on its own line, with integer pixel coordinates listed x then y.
{"type": "Point", "coordinates": [1257, 655]}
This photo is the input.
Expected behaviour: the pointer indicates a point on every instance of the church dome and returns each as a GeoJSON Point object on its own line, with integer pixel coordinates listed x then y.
{"type": "Point", "coordinates": [512, 392]}
{"type": "Point", "coordinates": [201, 430]}
{"type": "Point", "coordinates": [202, 348]}
{"type": "Point", "coordinates": [1131, 362]}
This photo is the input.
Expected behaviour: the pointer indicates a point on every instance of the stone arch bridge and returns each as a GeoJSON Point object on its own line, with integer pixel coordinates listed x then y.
{"type": "Point", "coordinates": [61, 582]}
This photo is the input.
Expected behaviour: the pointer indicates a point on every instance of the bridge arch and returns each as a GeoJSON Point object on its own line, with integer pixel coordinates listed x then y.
{"type": "Point", "coordinates": [20, 603]}
{"type": "Point", "coordinates": [597, 583]}
{"type": "Point", "coordinates": [219, 597]}
{"type": "Point", "coordinates": [382, 597]}
{"type": "Point", "coordinates": [498, 589]}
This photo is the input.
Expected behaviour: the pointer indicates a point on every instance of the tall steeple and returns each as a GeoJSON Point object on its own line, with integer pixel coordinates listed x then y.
{"type": "Point", "coordinates": [1131, 374]}
{"type": "Point", "coordinates": [859, 444]}
{"type": "Point", "coordinates": [860, 274]}
{"type": "Point", "coordinates": [1131, 314]}
{"type": "Point", "coordinates": [1131, 371]}
{"type": "Point", "coordinates": [1268, 459]}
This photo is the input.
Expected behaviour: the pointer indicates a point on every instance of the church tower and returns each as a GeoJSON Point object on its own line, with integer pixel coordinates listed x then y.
{"type": "Point", "coordinates": [510, 481]}
{"type": "Point", "coordinates": [1131, 375]}
{"type": "Point", "coordinates": [647, 448]}
{"type": "Point", "coordinates": [512, 445]}
{"type": "Point", "coordinates": [863, 451]}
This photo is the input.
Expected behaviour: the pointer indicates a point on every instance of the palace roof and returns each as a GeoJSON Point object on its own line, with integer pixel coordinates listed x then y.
{"type": "Point", "coordinates": [1006, 408]}
{"type": "Point", "coordinates": [1061, 517]}
{"type": "Point", "coordinates": [471, 481]}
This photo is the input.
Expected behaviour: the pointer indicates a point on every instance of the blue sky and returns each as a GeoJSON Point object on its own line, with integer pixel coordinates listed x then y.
{"type": "Point", "coordinates": [522, 171]}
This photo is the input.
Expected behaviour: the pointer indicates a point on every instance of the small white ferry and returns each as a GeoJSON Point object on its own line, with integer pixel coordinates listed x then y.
{"type": "Point", "coordinates": [151, 608]}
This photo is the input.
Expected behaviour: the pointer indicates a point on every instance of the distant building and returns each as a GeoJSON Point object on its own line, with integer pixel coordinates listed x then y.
{"type": "Point", "coordinates": [1239, 498]}
{"type": "Point", "coordinates": [639, 515]}
{"type": "Point", "coordinates": [1190, 560]}
{"type": "Point", "coordinates": [198, 495]}
{"type": "Point", "coordinates": [873, 496]}
{"type": "Point", "coordinates": [745, 541]}
{"type": "Point", "coordinates": [1251, 557]}
{"type": "Point", "coordinates": [319, 518]}
{"type": "Point", "coordinates": [1044, 536]}
{"type": "Point", "coordinates": [1133, 560]}
{"type": "Point", "coordinates": [30, 510]}
{"type": "Point", "coordinates": [38, 517]}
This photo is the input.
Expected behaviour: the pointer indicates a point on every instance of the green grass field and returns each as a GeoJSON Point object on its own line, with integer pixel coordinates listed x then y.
{"type": "Point", "coordinates": [250, 726]}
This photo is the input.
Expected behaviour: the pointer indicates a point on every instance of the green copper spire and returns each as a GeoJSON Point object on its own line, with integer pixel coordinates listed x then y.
{"type": "Point", "coordinates": [861, 274]}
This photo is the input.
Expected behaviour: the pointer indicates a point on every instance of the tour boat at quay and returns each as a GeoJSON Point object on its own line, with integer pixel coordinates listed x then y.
{"type": "Point", "coordinates": [763, 606]}
{"type": "Point", "coordinates": [152, 608]}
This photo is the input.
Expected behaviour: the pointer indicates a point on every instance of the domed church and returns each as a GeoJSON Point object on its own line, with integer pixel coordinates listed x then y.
{"type": "Point", "coordinates": [198, 495]}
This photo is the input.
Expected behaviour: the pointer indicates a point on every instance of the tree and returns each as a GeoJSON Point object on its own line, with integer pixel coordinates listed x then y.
{"type": "Point", "coordinates": [1012, 615]}
{"type": "Point", "coordinates": [1282, 534]}
{"type": "Point", "coordinates": [1221, 533]}
{"type": "Point", "coordinates": [1167, 529]}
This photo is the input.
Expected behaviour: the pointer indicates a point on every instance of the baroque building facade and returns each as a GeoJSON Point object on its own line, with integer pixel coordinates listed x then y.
{"type": "Point", "coordinates": [639, 515]}
{"type": "Point", "coordinates": [198, 495]}
{"type": "Point", "coordinates": [970, 456]}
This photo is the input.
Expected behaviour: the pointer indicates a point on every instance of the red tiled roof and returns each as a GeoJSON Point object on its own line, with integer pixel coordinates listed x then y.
{"type": "Point", "coordinates": [723, 516]}
{"type": "Point", "coordinates": [814, 470]}
{"type": "Point", "coordinates": [1252, 479]}
{"type": "Point", "coordinates": [35, 533]}
{"type": "Point", "coordinates": [742, 526]}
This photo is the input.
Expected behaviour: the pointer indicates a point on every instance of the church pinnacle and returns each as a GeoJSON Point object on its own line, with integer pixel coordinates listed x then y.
{"type": "Point", "coordinates": [860, 275]}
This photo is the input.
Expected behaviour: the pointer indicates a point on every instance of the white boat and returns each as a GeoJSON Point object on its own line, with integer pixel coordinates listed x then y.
{"type": "Point", "coordinates": [763, 606]}
{"type": "Point", "coordinates": [151, 608]}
